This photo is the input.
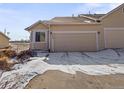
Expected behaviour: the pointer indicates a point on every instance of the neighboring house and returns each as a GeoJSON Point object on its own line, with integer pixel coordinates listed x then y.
{"type": "Point", "coordinates": [4, 40]}
{"type": "Point", "coordinates": [86, 32]}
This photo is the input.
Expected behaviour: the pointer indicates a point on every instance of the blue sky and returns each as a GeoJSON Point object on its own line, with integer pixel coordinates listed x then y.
{"type": "Point", "coordinates": [16, 17]}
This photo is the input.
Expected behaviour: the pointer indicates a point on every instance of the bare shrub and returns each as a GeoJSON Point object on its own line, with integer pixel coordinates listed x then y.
{"type": "Point", "coordinates": [4, 63]}
{"type": "Point", "coordinates": [10, 53]}
{"type": "Point", "coordinates": [24, 55]}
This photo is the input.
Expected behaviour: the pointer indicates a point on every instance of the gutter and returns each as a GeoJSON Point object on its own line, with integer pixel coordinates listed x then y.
{"type": "Point", "coordinates": [75, 23]}
{"type": "Point", "coordinates": [88, 17]}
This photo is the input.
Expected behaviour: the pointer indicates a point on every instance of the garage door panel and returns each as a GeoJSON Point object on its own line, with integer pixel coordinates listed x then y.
{"type": "Point", "coordinates": [74, 41]}
{"type": "Point", "coordinates": [114, 39]}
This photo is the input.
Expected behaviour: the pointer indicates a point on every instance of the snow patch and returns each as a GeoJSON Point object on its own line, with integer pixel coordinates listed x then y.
{"type": "Point", "coordinates": [104, 62]}
{"type": "Point", "coordinates": [106, 54]}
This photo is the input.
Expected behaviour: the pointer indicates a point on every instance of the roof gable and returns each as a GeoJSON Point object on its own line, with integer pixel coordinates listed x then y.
{"type": "Point", "coordinates": [4, 35]}
{"type": "Point", "coordinates": [35, 24]}
{"type": "Point", "coordinates": [81, 19]}
{"type": "Point", "coordinates": [109, 13]}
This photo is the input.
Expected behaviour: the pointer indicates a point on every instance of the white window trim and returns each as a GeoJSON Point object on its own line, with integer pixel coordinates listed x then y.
{"type": "Point", "coordinates": [122, 10]}
{"type": "Point", "coordinates": [34, 35]}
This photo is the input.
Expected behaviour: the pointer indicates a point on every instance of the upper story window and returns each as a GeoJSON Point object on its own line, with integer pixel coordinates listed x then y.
{"type": "Point", "coordinates": [122, 10]}
{"type": "Point", "coordinates": [40, 37]}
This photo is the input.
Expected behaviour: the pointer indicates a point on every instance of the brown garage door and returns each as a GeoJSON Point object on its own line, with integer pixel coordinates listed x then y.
{"type": "Point", "coordinates": [114, 38]}
{"type": "Point", "coordinates": [75, 41]}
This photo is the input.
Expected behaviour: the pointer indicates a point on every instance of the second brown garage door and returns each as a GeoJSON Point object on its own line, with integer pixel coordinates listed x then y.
{"type": "Point", "coordinates": [74, 41]}
{"type": "Point", "coordinates": [114, 38]}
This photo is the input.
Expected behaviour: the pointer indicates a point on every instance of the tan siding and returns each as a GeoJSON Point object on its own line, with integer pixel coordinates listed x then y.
{"type": "Point", "coordinates": [39, 26]}
{"type": "Point", "coordinates": [4, 42]}
{"type": "Point", "coordinates": [78, 27]}
{"type": "Point", "coordinates": [116, 19]}
{"type": "Point", "coordinates": [114, 38]}
{"type": "Point", "coordinates": [37, 45]}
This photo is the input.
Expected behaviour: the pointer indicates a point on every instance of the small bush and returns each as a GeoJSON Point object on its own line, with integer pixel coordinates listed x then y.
{"type": "Point", "coordinates": [4, 65]}
{"type": "Point", "coordinates": [24, 55]}
{"type": "Point", "coordinates": [10, 53]}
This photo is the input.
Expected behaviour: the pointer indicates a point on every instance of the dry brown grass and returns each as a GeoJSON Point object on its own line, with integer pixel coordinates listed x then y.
{"type": "Point", "coordinates": [10, 53]}
{"type": "Point", "coordinates": [4, 63]}
{"type": "Point", "coordinates": [24, 55]}
{"type": "Point", "coordinates": [5, 56]}
{"type": "Point", "coordinates": [18, 47]}
{"type": "Point", "coordinates": [7, 53]}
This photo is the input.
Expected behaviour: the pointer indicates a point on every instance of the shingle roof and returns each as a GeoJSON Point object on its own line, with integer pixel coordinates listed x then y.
{"type": "Point", "coordinates": [65, 20]}
{"type": "Point", "coordinates": [120, 6]}
{"type": "Point", "coordinates": [36, 23]}
{"type": "Point", "coordinates": [71, 20]}
{"type": "Point", "coordinates": [96, 16]}
{"type": "Point", "coordinates": [82, 18]}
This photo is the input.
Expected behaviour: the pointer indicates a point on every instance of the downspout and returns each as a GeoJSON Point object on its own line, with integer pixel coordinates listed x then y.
{"type": "Point", "coordinates": [49, 37]}
{"type": "Point", "coordinates": [30, 41]}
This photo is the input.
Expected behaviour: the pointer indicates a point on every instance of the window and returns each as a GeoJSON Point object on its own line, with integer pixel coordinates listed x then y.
{"type": "Point", "coordinates": [122, 10]}
{"type": "Point", "coordinates": [40, 37]}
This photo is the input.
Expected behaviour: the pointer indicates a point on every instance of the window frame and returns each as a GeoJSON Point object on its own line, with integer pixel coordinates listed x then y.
{"type": "Point", "coordinates": [123, 10]}
{"type": "Point", "coordinates": [45, 41]}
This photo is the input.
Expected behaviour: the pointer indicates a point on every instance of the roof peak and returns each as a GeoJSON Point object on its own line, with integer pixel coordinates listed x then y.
{"type": "Point", "coordinates": [4, 35]}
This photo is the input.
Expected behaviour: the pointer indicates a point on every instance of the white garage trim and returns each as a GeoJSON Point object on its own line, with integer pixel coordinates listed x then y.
{"type": "Point", "coordinates": [105, 38]}
{"type": "Point", "coordinates": [95, 32]}
{"type": "Point", "coordinates": [114, 28]}
{"type": "Point", "coordinates": [97, 41]}
{"type": "Point", "coordinates": [52, 43]}
{"type": "Point", "coordinates": [74, 31]}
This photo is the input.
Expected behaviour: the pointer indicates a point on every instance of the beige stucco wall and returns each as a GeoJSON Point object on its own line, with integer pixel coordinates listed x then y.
{"type": "Point", "coordinates": [4, 42]}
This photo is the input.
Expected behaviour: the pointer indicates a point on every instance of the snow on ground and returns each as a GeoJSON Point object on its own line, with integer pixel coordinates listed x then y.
{"type": "Point", "coordinates": [1, 73]}
{"type": "Point", "coordinates": [104, 62]}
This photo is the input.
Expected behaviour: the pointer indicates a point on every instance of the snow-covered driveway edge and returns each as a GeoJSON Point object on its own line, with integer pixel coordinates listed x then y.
{"type": "Point", "coordinates": [105, 62]}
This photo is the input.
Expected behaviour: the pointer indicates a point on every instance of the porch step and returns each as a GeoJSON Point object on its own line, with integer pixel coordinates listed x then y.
{"type": "Point", "coordinates": [38, 52]}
